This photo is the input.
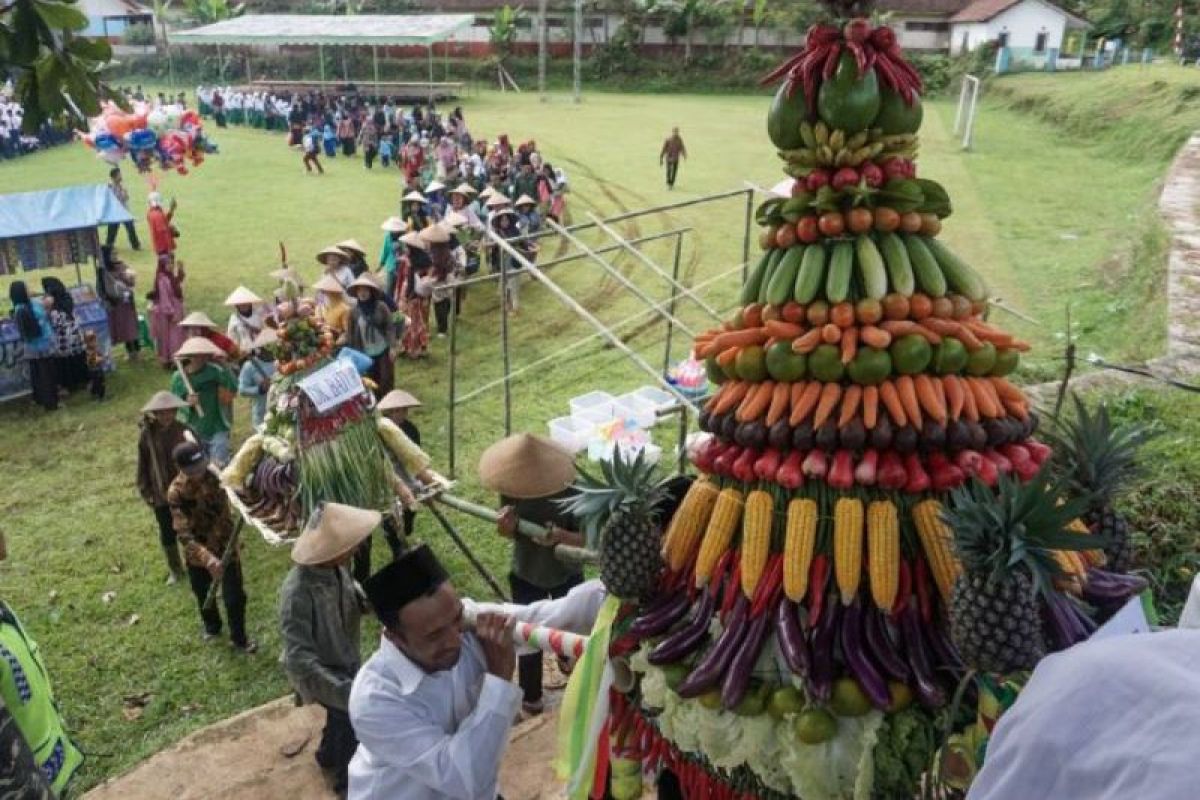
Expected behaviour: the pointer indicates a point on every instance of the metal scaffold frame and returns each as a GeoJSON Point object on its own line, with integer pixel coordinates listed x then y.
{"type": "Point", "coordinates": [662, 310]}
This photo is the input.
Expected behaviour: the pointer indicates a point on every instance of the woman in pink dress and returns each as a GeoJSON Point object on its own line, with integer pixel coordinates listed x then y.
{"type": "Point", "coordinates": [168, 310]}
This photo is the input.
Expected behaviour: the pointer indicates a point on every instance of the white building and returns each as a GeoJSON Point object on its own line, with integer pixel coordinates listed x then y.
{"type": "Point", "coordinates": [108, 19]}
{"type": "Point", "coordinates": [922, 25]}
{"type": "Point", "coordinates": [1028, 28]}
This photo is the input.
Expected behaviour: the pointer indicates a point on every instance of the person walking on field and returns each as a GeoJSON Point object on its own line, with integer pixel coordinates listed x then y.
{"type": "Point", "coordinates": [160, 433]}
{"type": "Point", "coordinates": [118, 189]}
{"type": "Point", "coordinates": [672, 150]}
{"type": "Point", "coordinates": [312, 151]}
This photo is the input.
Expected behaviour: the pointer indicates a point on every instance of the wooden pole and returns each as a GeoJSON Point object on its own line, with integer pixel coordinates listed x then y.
{"type": "Point", "coordinates": [578, 50]}
{"type": "Point", "coordinates": [674, 294]}
{"type": "Point", "coordinates": [227, 556]}
{"type": "Point", "coordinates": [616, 273]}
{"type": "Point", "coordinates": [187, 383]}
{"type": "Point", "coordinates": [452, 389]}
{"type": "Point", "coordinates": [321, 58]}
{"type": "Point", "coordinates": [530, 530]}
{"type": "Point", "coordinates": [542, 50]}
{"type": "Point", "coordinates": [375, 62]}
{"type": "Point", "coordinates": [504, 279]}
{"type": "Point", "coordinates": [462, 545]}
{"type": "Point", "coordinates": [673, 279]}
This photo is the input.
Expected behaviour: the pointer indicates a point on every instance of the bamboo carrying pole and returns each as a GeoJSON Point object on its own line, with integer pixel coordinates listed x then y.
{"type": "Point", "coordinates": [187, 383]}
{"type": "Point", "coordinates": [227, 556]}
{"type": "Point", "coordinates": [563, 552]}
{"type": "Point", "coordinates": [551, 641]}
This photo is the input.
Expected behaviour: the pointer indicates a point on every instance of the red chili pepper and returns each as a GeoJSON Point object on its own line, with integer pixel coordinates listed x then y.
{"type": "Point", "coordinates": [903, 590]}
{"type": "Point", "coordinates": [923, 591]}
{"type": "Point", "coordinates": [816, 587]}
{"type": "Point", "coordinates": [768, 586]}
{"type": "Point", "coordinates": [732, 587]}
{"type": "Point", "coordinates": [714, 583]}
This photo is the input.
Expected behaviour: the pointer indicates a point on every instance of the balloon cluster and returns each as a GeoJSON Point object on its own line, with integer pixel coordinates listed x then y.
{"type": "Point", "coordinates": [168, 137]}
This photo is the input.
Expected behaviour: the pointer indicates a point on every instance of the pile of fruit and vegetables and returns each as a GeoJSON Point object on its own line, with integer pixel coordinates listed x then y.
{"type": "Point", "coordinates": [304, 456]}
{"type": "Point", "coordinates": [877, 528]}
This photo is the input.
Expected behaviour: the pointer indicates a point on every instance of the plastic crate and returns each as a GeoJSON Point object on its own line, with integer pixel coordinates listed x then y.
{"type": "Point", "coordinates": [571, 432]}
{"type": "Point", "coordinates": [596, 402]}
{"type": "Point", "coordinates": [634, 407]}
{"type": "Point", "coordinates": [660, 398]}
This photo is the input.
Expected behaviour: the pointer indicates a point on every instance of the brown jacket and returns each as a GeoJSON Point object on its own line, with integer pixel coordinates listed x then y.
{"type": "Point", "coordinates": [202, 517]}
{"type": "Point", "coordinates": [673, 148]}
{"type": "Point", "coordinates": [155, 468]}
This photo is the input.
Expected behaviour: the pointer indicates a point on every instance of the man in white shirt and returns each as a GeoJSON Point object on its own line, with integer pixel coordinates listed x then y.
{"type": "Point", "coordinates": [432, 708]}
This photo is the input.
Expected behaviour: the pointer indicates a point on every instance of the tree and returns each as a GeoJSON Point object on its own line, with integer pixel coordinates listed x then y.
{"type": "Point", "coordinates": [684, 18]}
{"type": "Point", "coordinates": [56, 72]}
{"type": "Point", "coordinates": [206, 12]}
{"type": "Point", "coordinates": [503, 31]}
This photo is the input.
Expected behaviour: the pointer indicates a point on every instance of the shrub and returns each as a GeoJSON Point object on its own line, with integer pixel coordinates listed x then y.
{"type": "Point", "coordinates": [140, 33]}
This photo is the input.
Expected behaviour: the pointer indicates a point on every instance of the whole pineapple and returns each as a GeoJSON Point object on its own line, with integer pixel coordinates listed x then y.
{"type": "Point", "coordinates": [1004, 540]}
{"type": "Point", "coordinates": [1099, 460]}
{"type": "Point", "coordinates": [618, 516]}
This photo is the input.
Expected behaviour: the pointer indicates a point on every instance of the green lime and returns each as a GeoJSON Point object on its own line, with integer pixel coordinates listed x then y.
{"type": "Point", "coordinates": [785, 700]}
{"type": "Point", "coordinates": [1007, 360]}
{"type": "Point", "coordinates": [783, 364]}
{"type": "Point", "coordinates": [870, 367]}
{"type": "Point", "coordinates": [849, 700]}
{"type": "Point", "coordinates": [626, 766]}
{"type": "Point", "coordinates": [814, 726]}
{"type": "Point", "coordinates": [825, 363]}
{"type": "Point", "coordinates": [902, 696]}
{"type": "Point", "coordinates": [753, 704]}
{"type": "Point", "coordinates": [675, 673]}
{"type": "Point", "coordinates": [714, 371]}
{"type": "Point", "coordinates": [949, 357]}
{"type": "Point", "coordinates": [911, 354]}
{"type": "Point", "coordinates": [982, 360]}
{"type": "Point", "coordinates": [711, 699]}
{"type": "Point", "coordinates": [752, 364]}
{"type": "Point", "coordinates": [627, 787]}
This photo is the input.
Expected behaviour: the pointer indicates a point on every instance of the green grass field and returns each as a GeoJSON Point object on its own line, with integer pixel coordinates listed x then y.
{"type": "Point", "coordinates": [1043, 215]}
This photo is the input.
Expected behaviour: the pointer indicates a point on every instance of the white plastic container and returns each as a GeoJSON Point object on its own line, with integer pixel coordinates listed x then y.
{"type": "Point", "coordinates": [634, 407]}
{"type": "Point", "coordinates": [598, 402]}
{"type": "Point", "coordinates": [660, 398]}
{"type": "Point", "coordinates": [570, 432]}
{"type": "Point", "coordinates": [591, 417]}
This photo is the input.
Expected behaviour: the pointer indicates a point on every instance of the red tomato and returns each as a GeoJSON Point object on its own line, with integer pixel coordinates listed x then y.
{"type": "Point", "coordinates": [832, 223]}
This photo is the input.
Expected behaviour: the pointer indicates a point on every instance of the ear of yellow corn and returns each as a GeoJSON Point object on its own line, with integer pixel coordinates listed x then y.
{"type": "Point", "coordinates": [1091, 558]}
{"type": "Point", "coordinates": [721, 526]}
{"type": "Point", "coordinates": [847, 546]}
{"type": "Point", "coordinates": [799, 544]}
{"type": "Point", "coordinates": [756, 538]}
{"type": "Point", "coordinates": [683, 534]}
{"type": "Point", "coordinates": [883, 549]}
{"type": "Point", "coordinates": [937, 540]}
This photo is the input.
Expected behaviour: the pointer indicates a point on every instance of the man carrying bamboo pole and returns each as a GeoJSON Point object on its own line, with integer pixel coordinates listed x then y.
{"type": "Point", "coordinates": [204, 524]}
{"type": "Point", "coordinates": [208, 389]}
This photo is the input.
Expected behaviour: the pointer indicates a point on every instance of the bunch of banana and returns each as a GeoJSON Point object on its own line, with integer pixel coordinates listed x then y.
{"type": "Point", "coordinates": [900, 145]}
{"type": "Point", "coordinates": [824, 147]}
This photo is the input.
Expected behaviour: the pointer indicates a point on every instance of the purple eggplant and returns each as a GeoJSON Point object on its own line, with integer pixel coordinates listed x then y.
{"type": "Point", "coordinates": [712, 666]}
{"type": "Point", "coordinates": [661, 616]}
{"type": "Point", "coordinates": [1063, 626]}
{"type": "Point", "coordinates": [819, 681]}
{"type": "Point", "coordinates": [944, 649]}
{"type": "Point", "coordinates": [881, 646]}
{"type": "Point", "coordinates": [872, 683]}
{"type": "Point", "coordinates": [1110, 587]}
{"type": "Point", "coordinates": [928, 691]}
{"type": "Point", "coordinates": [790, 634]}
{"type": "Point", "coordinates": [737, 678]}
{"type": "Point", "coordinates": [684, 641]}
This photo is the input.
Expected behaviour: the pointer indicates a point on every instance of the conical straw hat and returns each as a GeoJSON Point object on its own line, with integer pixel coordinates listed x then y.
{"type": "Point", "coordinates": [241, 296]}
{"type": "Point", "coordinates": [266, 337]}
{"type": "Point", "coordinates": [393, 225]}
{"type": "Point", "coordinates": [496, 200]}
{"type": "Point", "coordinates": [330, 284]}
{"type": "Point", "coordinates": [464, 189]}
{"type": "Point", "coordinates": [525, 200]}
{"type": "Point", "coordinates": [367, 280]}
{"type": "Point", "coordinates": [414, 195]}
{"type": "Point", "coordinates": [526, 465]}
{"type": "Point", "coordinates": [163, 401]}
{"type": "Point", "coordinates": [397, 399]}
{"type": "Point", "coordinates": [351, 244]}
{"type": "Point", "coordinates": [413, 239]}
{"type": "Point", "coordinates": [333, 530]}
{"type": "Point", "coordinates": [198, 319]}
{"type": "Point", "coordinates": [332, 250]}
{"type": "Point", "coordinates": [198, 346]}
{"type": "Point", "coordinates": [435, 186]}
{"type": "Point", "coordinates": [435, 234]}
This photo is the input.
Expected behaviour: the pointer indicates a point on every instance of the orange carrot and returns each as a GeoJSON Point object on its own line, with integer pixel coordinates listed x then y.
{"type": "Point", "coordinates": [743, 338]}
{"type": "Point", "coordinates": [873, 336]}
{"type": "Point", "coordinates": [891, 400]}
{"type": "Point", "coordinates": [970, 407]}
{"type": "Point", "coordinates": [711, 403]}
{"type": "Point", "coordinates": [940, 392]}
{"type": "Point", "coordinates": [1021, 346]}
{"type": "Point", "coordinates": [779, 403]}
{"type": "Point", "coordinates": [831, 334]}
{"type": "Point", "coordinates": [954, 395]}
{"type": "Point", "coordinates": [726, 356]}
{"type": "Point", "coordinates": [983, 400]}
{"type": "Point", "coordinates": [949, 327]}
{"type": "Point", "coordinates": [1017, 408]}
{"type": "Point", "coordinates": [908, 396]}
{"type": "Point", "coordinates": [850, 400]}
{"type": "Point", "coordinates": [733, 393]}
{"type": "Point", "coordinates": [1007, 391]}
{"type": "Point", "coordinates": [849, 345]}
{"type": "Point", "coordinates": [989, 334]}
{"type": "Point", "coordinates": [808, 342]}
{"type": "Point", "coordinates": [992, 394]}
{"type": "Point", "coordinates": [905, 327]}
{"type": "Point", "coordinates": [783, 330]}
{"type": "Point", "coordinates": [927, 397]}
{"type": "Point", "coordinates": [870, 403]}
{"type": "Point", "coordinates": [805, 403]}
{"type": "Point", "coordinates": [830, 393]}
{"type": "Point", "coordinates": [756, 402]}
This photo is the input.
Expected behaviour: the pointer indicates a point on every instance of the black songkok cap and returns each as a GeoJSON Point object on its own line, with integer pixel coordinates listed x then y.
{"type": "Point", "coordinates": [186, 454]}
{"type": "Point", "coordinates": [414, 575]}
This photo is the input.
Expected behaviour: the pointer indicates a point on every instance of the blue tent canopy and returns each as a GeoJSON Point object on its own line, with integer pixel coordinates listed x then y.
{"type": "Point", "coordinates": [53, 210]}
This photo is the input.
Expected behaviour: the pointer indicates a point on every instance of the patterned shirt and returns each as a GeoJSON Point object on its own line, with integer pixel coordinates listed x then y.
{"type": "Point", "coordinates": [68, 341]}
{"type": "Point", "coordinates": [201, 516]}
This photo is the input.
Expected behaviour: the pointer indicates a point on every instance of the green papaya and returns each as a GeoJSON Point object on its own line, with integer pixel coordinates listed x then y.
{"type": "Point", "coordinates": [784, 118]}
{"type": "Point", "coordinates": [848, 102]}
{"type": "Point", "coordinates": [895, 115]}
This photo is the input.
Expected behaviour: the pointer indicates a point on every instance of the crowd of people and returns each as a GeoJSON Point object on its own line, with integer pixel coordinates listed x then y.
{"type": "Point", "coordinates": [16, 142]}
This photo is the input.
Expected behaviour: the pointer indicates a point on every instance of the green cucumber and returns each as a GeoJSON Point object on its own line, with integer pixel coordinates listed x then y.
{"type": "Point", "coordinates": [841, 264]}
{"type": "Point", "coordinates": [783, 279]}
{"type": "Point", "coordinates": [899, 268]}
{"type": "Point", "coordinates": [961, 277]}
{"type": "Point", "coordinates": [772, 266]}
{"type": "Point", "coordinates": [811, 275]}
{"type": "Point", "coordinates": [925, 266]}
{"type": "Point", "coordinates": [870, 267]}
{"type": "Point", "coordinates": [755, 279]}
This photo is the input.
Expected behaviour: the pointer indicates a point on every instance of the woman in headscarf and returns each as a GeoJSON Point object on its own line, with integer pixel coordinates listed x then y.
{"type": "Point", "coordinates": [33, 324]}
{"type": "Point", "coordinates": [413, 159]}
{"type": "Point", "coordinates": [70, 360]}
{"type": "Point", "coordinates": [414, 211]}
{"type": "Point", "coordinates": [167, 310]}
{"type": "Point", "coordinates": [504, 223]}
{"type": "Point", "coordinates": [116, 289]}
{"type": "Point", "coordinates": [372, 332]}
{"type": "Point", "coordinates": [415, 286]}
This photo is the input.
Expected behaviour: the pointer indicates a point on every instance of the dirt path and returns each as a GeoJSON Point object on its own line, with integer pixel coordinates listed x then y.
{"type": "Point", "coordinates": [243, 758]}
